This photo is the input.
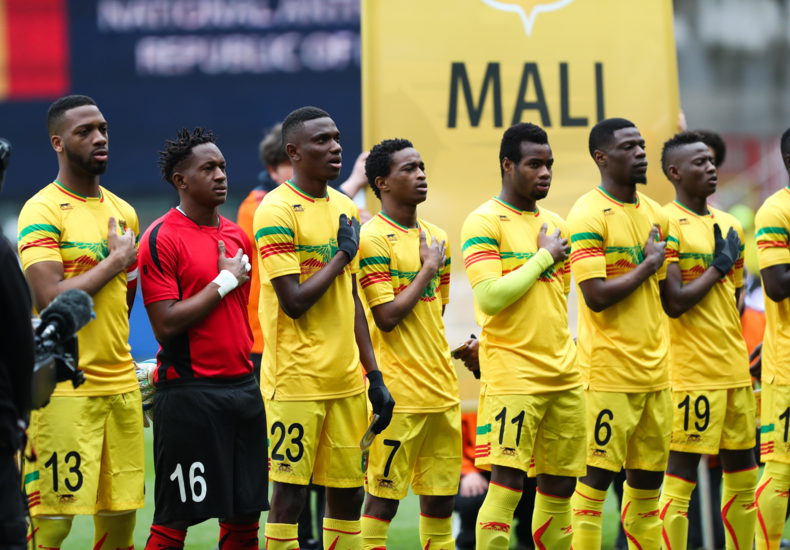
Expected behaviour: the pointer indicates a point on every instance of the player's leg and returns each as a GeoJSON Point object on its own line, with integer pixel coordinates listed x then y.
{"type": "Point", "coordinates": [437, 471]}
{"type": "Point", "coordinates": [122, 478]}
{"type": "Point", "coordinates": [393, 455]}
{"type": "Point", "coordinates": [774, 485]}
{"type": "Point", "coordinates": [338, 467]}
{"type": "Point", "coordinates": [678, 484]}
{"type": "Point", "coordinates": [68, 435]}
{"type": "Point", "coordinates": [507, 426]}
{"type": "Point", "coordinates": [250, 471]}
{"type": "Point", "coordinates": [559, 458]}
{"type": "Point", "coordinates": [645, 463]}
{"type": "Point", "coordinates": [295, 431]}
{"type": "Point", "coordinates": [611, 420]}
{"type": "Point", "coordinates": [738, 509]}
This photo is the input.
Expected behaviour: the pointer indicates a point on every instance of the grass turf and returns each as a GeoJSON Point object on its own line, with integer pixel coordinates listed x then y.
{"type": "Point", "coordinates": [403, 532]}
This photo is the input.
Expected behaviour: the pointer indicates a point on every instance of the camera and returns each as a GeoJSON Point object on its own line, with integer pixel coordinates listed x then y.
{"type": "Point", "coordinates": [57, 348]}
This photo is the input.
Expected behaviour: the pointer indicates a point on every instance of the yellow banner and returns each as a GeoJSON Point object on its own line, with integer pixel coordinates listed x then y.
{"type": "Point", "coordinates": [3, 52]}
{"type": "Point", "coordinates": [453, 75]}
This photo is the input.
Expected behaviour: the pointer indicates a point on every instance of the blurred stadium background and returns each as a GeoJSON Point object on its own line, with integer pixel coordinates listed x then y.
{"type": "Point", "coordinates": [239, 66]}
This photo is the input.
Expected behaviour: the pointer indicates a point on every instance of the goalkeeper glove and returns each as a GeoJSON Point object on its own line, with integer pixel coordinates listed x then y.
{"type": "Point", "coordinates": [144, 372]}
{"type": "Point", "coordinates": [348, 236]}
{"type": "Point", "coordinates": [381, 400]}
{"type": "Point", "coordinates": [726, 251]}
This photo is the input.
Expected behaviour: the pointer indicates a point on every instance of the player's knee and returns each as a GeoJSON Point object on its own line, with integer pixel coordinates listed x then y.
{"type": "Point", "coordinates": [52, 529]}
{"type": "Point", "coordinates": [598, 478]}
{"type": "Point", "coordinates": [558, 486]}
{"type": "Point", "coordinates": [437, 506]}
{"type": "Point", "coordinates": [242, 519]}
{"type": "Point", "coordinates": [381, 508]}
{"type": "Point", "coordinates": [683, 465]}
{"type": "Point", "coordinates": [779, 471]}
{"type": "Point", "coordinates": [344, 503]}
{"type": "Point", "coordinates": [644, 480]}
{"type": "Point", "coordinates": [287, 502]}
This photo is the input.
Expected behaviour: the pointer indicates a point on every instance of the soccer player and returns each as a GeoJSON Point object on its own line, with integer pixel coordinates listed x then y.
{"type": "Point", "coordinates": [89, 440]}
{"type": "Point", "coordinates": [618, 239]}
{"type": "Point", "coordinates": [531, 412]}
{"type": "Point", "coordinates": [316, 336]}
{"type": "Point", "coordinates": [277, 171]}
{"type": "Point", "coordinates": [405, 266]}
{"type": "Point", "coordinates": [773, 242]}
{"type": "Point", "coordinates": [209, 416]}
{"type": "Point", "coordinates": [714, 407]}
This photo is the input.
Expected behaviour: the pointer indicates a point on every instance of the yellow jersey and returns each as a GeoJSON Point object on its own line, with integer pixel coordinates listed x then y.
{"type": "Point", "coordinates": [527, 347]}
{"type": "Point", "coordinates": [624, 348]}
{"type": "Point", "coordinates": [772, 226]}
{"type": "Point", "coordinates": [59, 225]}
{"type": "Point", "coordinates": [707, 349]}
{"type": "Point", "coordinates": [314, 357]}
{"type": "Point", "coordinates": [415, 356]}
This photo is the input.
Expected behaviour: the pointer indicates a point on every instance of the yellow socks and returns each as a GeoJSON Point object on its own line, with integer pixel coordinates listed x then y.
{"type": "Point", "coordinates": [374, 533]}
{"type": "Point", "coordinates": [282, 536]}
{"type": "Point", "coordinates": [772, 505]}
{"type": "Point", "coordinates": [436, 533]}
{"type": "Point", "coordinates": [48, 532]}
{"type": "Point", "coordinates": [114, 530]}
{"type": "Point", "coordinates": [674, 512]}
{"type": "Point", "coordinates": [641, 519]}
{"type": "Point", "coordinates": [738, 510]}
{"type": "Point", "coordinates": [342, 535]}
{"type": "Point", "coordinates": [551, 522]}
{"type": "Point", "coordinates": [495, 517]}
{"type": "Point", "coordinates": [587, 505]}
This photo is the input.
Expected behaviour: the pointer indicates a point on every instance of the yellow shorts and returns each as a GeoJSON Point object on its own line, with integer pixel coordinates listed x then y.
{"type": "Point", "coordinates": [775, 423]}
{"type": "Point", "coordinates": [418, 449]}
{"type": "Point", "coordinates": [705, 421]}
{"type": "Point", "coordinates": [631, 429]}
{"type": "Point", "coordinates": [318, 439]}
{"type": "Point", "coordinates": [91, 455]}
{"type": "Point", "coordinates": [539, 434]}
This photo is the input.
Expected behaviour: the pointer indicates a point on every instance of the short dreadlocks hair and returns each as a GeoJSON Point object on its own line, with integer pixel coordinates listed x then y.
{"type": "Point", "coordinates": [379, 161]}
{"type": "Point", "coordinates": [57, 111]}
{"type": "Point", "coordinates": [297, 118]}
{"type": "Point", "coordinates": [180, 149]}
{"type": "Point", "coordinates": [510, 147]}
{"type": "Point", "coordinates": [676, 142]}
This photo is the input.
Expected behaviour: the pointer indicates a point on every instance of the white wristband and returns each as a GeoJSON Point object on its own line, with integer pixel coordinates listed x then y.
{"type": "Point", "coordinates": [227, 281]}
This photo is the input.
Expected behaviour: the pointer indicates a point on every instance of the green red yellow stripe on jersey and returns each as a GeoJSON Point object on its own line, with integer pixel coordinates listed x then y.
{"type": "Point", "coordinates": [503, 204]}
{"type": "Point", "coordinates": [74, 195]}
{"type": "Point", "coordinates": [610, 198]}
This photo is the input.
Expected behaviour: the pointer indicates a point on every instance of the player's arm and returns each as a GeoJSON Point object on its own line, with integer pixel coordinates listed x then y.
{"type": "Point", "coordinates": [773, 251]}
{"type": "Point", "coordinates": [602, 293]}
{"type": "Point", "coordinates": [47, 278]}
{"type": "Point", "coordinates": [169, 318]}
{"type": "Point", "coordinates": [678, 298]}
{"type": "Point", "coordinates": [296, 298]}
{"type": "Point", "coordinates": [388, 315]}
{"type": "Point", "coordinates": [776, 281]}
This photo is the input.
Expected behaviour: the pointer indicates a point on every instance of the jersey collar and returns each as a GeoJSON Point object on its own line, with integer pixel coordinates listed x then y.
{"type": "Point", "coordinates": [614, 200]}
{"type": "Point", "coordinates": [304, 195]}
{"type": "Point", "coordinates": [82, 198]}
{"type": "Point", "coordinates": [395, 224]}
{"type": "Point", "coordinates": [688, 210]}
{"type": "Point", "coordinates": [512, 208]}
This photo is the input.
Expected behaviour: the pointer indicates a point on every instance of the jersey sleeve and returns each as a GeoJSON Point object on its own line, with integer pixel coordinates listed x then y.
{"type": "Point", "coordinates": [374, 263]}
{"type": "Point", "coordinates": [158, 260]}
{"type": "Point", "coordinates": [566, 265]}
{"type": "Point", "coordinates": [673, 242]}
{"type": "Point", "coordinates": [354, 265]}
{"type": "Point", "coordinates": [275, 237]}
{"type": "Point", "coordinates": [663, 233]}
{"type": "Point", "coordinates": [444, 281]}
{"type": "Point", "coordinates": [480, 237]}
{"type": "Point", "coordinates": [772, 235]}
{"type": "Point", "coordinates": [588, 257]}
{"type": "Point", "coordinates": [39, 235]}
{"type": "Point", "coordinates": [738, 267]}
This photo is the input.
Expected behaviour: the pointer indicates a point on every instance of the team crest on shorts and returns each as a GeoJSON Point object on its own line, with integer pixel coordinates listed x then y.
{"type": "Point", "coordinates": [386, 484]}
{"type": "Point", "coordinates": [66, 499]}
{"type": "Point", "coordinates": [599, 453]}
{"type": "Point", "coordinates": [508, 451]}
{"type": "Point", "coordinates": [285, 468]}
{"type": "Point", "coordinates": [694, 438]}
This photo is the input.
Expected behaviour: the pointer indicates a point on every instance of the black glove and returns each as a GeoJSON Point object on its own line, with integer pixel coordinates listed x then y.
{"type": "Point", "coordinates": [348, 236]}
{"type": "Point", "coordinates": [726, 251]}
{"type": "Point", "coordinates": [381, 400]}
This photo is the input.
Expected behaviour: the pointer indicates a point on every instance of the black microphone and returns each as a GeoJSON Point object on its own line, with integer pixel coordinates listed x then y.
{"type": "Point", "coordinates": [65, 316]}
{"type": "Point", "coordinates": [5, 153]}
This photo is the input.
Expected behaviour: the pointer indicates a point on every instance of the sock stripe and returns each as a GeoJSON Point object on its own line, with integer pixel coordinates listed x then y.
{"type": "Point", "coordinates": [344, 532]}
{"type": "Point", "coordinates": [159, 532]}
{"type": "Point", "coordinates": [429, 517]}
{"type": "Point", "coordinates": [551, 496]}
{"type": "Point", "coordinates": [505, 487]}
{"type": "Point", "coordinates": [627, 534]}
{"type": "Point", "coordinates": [378, 519]}
{"type": "Point", "coordinates": [589, 498]}
{"type": "Point", "coordinates": [739, 471]}
{"type": "Point", "coordinates": [538, 534]}
{"type": "Point", "coordinates": [681, 478]}
{"type": "Point", "coordinates": [726, 522]}
{"type": "Point", "coordinates": [760, 518]}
